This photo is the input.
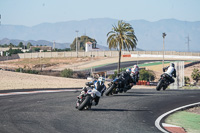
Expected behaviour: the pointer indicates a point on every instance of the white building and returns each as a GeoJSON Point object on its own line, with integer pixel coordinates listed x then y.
{"type": "Point", "coordinates": [89, 47]}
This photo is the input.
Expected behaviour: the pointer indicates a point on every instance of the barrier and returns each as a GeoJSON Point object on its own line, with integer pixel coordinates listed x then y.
{"type": "Point", "coordinates": [179, 80]}
{"type": "Point", "coordinates": [126, 55]}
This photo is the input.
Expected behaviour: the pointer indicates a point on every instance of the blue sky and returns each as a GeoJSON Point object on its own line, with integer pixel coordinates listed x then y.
{"type": "Point", "coordinates": [33, 12]}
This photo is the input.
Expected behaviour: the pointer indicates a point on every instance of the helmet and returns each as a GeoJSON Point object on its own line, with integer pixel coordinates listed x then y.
{"type": "Point", "coordinates": [135, 66]}
{"type": "Point", "coordinates": [172, 65]}
{"type": "Point", "coordinates": [128, 70]}
{"type": "Point", "coordinates": [101, 79]}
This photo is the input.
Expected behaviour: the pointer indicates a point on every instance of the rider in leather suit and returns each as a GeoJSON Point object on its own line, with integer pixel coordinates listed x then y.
{"type": "Point", "coordinates": [171, 72]}
{"type": "Point", "coordinates": [98, 85]}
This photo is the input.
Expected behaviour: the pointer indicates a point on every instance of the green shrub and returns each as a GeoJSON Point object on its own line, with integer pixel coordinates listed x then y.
{"type": "Point", "coordinates": [111, 76]}
{"type": "Point", "coordinates": [147, 75]}
{"type": "Point", "coordinates": [187, 79]}
{"type": "Point", "coordinates": [115, 73]}
{"type": "Point", "coordinates": [68, 73]}
{"type": "Point", "coordinates": [195, 74]}
{"type": "Point", "coordinates": [26, 71]}
{"type": "Point", "coordinates": [19, 69]}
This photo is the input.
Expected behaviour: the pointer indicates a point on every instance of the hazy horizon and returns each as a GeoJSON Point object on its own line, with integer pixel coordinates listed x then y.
{"type": "Point", "coordinates": [100, 18]}
{"type": "Point", "coordinates": [34, 12]}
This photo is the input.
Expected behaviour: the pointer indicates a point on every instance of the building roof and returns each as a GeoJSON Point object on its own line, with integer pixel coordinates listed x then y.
{"type": "Point", "coordinates": [88, 43]}
{"type": "Point", "coordinates": [42, 47]}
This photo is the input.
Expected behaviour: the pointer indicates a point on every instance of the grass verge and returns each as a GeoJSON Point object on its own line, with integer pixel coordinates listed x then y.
{"type": "Point", "coordinates": [191, 87]}
{"type": "Point", "coordinates": [189, 121]}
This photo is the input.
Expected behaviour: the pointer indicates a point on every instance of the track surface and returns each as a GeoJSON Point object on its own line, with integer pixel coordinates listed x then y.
{"type": "Point", "coordinates": [131, 112]}
{"type": "Point", "coordinates": [113, 66]}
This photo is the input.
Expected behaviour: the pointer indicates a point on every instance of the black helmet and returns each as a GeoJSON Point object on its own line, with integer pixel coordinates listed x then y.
{"type": "Point", "coordinates": [172, 65]}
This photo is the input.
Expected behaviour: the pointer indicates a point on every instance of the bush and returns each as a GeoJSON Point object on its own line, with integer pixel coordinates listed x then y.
{"type": "Point", "coordinates": [68, 73]}
{"type": "Point", "coordinates": [19, 70]}
{"type": "Point", "coordinates": [147, 75]}
{"type": "Point", "coordinates": [115, 73]}
{"type": "Point", "coordinates": [195, 74]}
{"type": "Point", "coordinates": [187, 79]}
{"type": "Point", "coordinates": [23, 70]}
{"type": "Point", "coordinates": [111, 76]}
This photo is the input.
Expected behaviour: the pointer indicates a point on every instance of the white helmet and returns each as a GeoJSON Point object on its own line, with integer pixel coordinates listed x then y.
{"type": "Point", "coordinates": [101, 79]}
{"type": "Point", "coordinates": [135, 66]}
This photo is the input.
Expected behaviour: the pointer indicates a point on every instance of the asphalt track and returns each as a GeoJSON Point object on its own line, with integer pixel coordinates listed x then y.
{"type": "Point", "coordinates": [113, 66]}
{"type": "Point", "coordinates": [131, 112]}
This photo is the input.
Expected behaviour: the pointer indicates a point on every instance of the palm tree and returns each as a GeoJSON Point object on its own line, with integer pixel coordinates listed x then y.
{"type": "Point", "coordinates": [121, 37]}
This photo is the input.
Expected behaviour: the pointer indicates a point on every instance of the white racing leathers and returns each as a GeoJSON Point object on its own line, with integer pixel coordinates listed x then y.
{"type": "Point", "coordinates": [170, 70]}
{"type": "Point", "coordinates": [94, 91]}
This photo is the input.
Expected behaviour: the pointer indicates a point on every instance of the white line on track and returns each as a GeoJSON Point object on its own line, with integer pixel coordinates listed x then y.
{"type": "Point", "coordinates": [157, 122]}
{"type": "Point", "coordinates": [36, 92]}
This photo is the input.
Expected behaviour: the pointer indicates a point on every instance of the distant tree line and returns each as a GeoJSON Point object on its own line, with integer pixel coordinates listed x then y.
{"type": "Point", "coordinates": [81, 46]}
{"type": "Point", "coordinates": [20, 45]}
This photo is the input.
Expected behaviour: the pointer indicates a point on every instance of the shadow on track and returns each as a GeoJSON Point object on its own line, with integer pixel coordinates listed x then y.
{"type": "Point", "coordinates": [139, 95]}
{"type": "Point", "coordinates": [119, 110]}
{"type": "Point", "coordinates": [154, 92]}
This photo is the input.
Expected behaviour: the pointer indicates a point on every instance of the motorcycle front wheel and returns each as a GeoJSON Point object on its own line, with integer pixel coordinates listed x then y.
{"type": "Point", "coordinates": [85, 102]}
{"type": "Point", "coordinates": [109, 90]}
{"type": "Point", "coordinates": [159, 85]}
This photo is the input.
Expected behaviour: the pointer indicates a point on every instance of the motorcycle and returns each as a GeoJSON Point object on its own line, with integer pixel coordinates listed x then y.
{"type": "Point", "coordinates": [86, 98]}
{"type": "Point", "coordinates": [163, 82]}
{"type": "Point", "coordinates": [117, 85]}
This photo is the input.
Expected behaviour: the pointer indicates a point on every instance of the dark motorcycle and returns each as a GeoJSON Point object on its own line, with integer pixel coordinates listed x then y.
{"type": "Point", "coordinates": [163, 82]}
{"type": "Point", "coordinates": [119, 84]}
{"type": "Point", "coordinates": [113, 87]}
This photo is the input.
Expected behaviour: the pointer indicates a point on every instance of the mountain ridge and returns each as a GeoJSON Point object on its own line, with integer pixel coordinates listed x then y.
{"type": "Point", "coordinates": [149, 34]}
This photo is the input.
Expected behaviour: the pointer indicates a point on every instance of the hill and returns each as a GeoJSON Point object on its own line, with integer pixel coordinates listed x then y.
{"type": "Point", "coordinates": [149, 34]}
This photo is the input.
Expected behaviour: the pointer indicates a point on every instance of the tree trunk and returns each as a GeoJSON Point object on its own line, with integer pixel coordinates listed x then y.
{"type": "Point", "coordinates": [118, 71]}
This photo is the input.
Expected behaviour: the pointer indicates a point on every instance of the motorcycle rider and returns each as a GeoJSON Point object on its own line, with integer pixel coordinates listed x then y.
{"type": "Point", "coordinates": [97, 85]}
{"type": "Point", "coordinates": [135, 72]}
{"type": "Point", "coordinates": [171, 72]}
{"type": "Point", "coordinates": [127, 79]}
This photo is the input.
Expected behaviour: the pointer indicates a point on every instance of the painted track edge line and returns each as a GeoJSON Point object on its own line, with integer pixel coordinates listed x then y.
{"type": "Point", "coordinates": [158, 120]}
{"type": "Point", "coordinates": [37, 92]}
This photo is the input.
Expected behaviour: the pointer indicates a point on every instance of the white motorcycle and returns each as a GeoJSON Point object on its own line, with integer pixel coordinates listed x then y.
{"type": "Point", "coordinates": [86, 98]}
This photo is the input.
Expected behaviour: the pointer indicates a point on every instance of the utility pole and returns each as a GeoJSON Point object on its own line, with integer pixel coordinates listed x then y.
{"type": "Point", "coordinates": [77, 43]}
{"type": "Point", "coordinates": [188, 43]}
{"type": "Point", "coordinates": [163, 35]}
{"type": "Point", "coordinates": [54, 45]}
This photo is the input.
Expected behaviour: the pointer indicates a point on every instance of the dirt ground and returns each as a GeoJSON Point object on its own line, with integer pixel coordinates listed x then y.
{"type": "Point", "coordinates": [62, 63]}
{"type": "Point", "coordinates": [194, 110]}
{"type": "Point", "coordinates": [14, 80]}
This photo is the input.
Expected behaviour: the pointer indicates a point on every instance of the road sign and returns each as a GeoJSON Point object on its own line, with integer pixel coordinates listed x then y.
{"type": "Point", "coordinates": [110, 72]}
